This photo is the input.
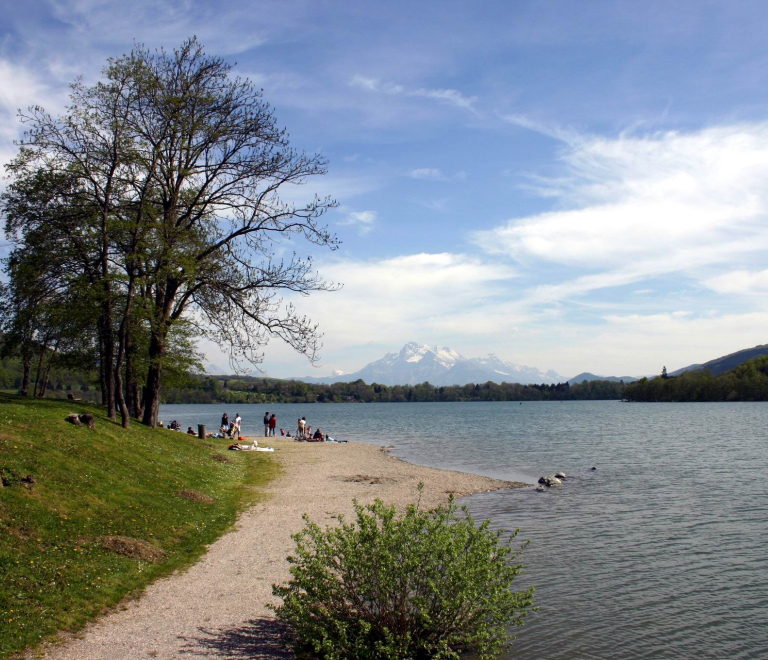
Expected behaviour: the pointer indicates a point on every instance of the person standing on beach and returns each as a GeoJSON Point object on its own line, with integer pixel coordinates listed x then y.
{"type": "Point", "coordinates": [266, 424]}
{"type": "Point", "coordinates": [236, 425]}
{"type": "Point", "coordinates": [224, 421]}
{"type": "Point", "coordinates": [302, 424]}
{"type": "Point", "coordinates": [272, 425]}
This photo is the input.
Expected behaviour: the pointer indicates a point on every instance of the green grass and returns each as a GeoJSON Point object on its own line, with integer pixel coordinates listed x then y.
{"type": "Point", "coordinates": [54, 573]}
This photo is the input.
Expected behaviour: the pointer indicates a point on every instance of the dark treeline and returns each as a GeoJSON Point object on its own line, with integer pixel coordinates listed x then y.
{"type": "Point", "coordinates": [208, 389]}
{"type": "Point", "coordinates": [747, 382]}
{"type": "Point", "coordinates": [146, 217]}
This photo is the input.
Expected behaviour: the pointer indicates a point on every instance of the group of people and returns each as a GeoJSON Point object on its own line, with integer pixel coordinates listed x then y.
{"type": "Point", "coordinates": [304, 432]}
{"type": "Point", "coordinates": [175, 426]}
{"type": "Point", "coordinates": [270, 425]}
{"type": "Point", "coordinates": [230, 429]}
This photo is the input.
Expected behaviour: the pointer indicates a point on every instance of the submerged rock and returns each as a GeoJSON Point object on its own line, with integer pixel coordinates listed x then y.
{"type": "Point", "coordinates": [560, 475]}
{"type": "Point", "coordinates": [550, 481]}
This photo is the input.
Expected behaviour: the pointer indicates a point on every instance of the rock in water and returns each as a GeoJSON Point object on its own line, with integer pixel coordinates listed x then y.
{"type": "Point", "coordinates": [560, 475]}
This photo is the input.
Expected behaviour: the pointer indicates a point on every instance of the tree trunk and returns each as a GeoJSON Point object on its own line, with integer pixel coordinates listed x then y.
{"type": "Point", "coordinates": [154, 375]}
{"type": "Point", "coordinates": [39, 371]}
{"type": "Point", "coordinates": [27, 365]}
{"type": "Point", "coordinates": [107, 364]}
{"type": "Point", "coordinates": [122, 341]}
{"type": "Point", "coordinates": [46, 374]}
{"type": "Point", "coordinates": [131, 386]}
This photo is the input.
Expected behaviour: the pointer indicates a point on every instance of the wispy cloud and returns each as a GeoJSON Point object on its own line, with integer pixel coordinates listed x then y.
{"type": "Point", "coordinates": [363, 220]}
{"type": "Point", "coordinates": [427, 174]}
{"type": "Point", "coordinates": [567, 135]}
{"type": "Point", "coordinates": [451, 97]}
{"type": "Point", "coordinates": [641, 207]}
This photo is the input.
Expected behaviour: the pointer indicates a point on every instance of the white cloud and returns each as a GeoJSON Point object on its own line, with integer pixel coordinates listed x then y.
{"type": "Point", "coordinates": [640, 207]}
{"type": "Point", "coordinates": [739, 282]}
{"type": "Point", "coordinates": [451, 97]}
{"type": "Point", "coordinates": [20, 87]}
{"type": "Point", "coordinates": [363, 220]}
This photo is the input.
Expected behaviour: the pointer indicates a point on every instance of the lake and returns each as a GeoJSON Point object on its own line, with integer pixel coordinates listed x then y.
{"type": "Point", "coordinates": [659, 553]}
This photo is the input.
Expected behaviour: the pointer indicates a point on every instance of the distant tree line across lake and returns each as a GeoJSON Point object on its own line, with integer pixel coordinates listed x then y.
{"type": "Point", "coordinates": [209, 389]}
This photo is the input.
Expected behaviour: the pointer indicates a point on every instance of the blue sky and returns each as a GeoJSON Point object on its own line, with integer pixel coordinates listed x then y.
{"type": "Point", "coordinates": [572, 186]}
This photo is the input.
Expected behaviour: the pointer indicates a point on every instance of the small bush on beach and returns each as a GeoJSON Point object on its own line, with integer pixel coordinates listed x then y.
{"type": "Point", "coordinates": [421, 584]}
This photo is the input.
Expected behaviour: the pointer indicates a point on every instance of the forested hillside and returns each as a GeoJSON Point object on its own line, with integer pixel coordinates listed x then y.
{"type": "Point", "coordinates": [747, 382]}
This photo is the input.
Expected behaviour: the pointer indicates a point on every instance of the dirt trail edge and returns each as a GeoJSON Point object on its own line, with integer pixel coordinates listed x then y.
{"type": "Point", "coordinates": [217, 608]}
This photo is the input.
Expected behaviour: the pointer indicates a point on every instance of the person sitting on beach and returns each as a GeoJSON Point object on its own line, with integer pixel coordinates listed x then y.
{"type": "Point", "coordinates": [190, 431]}
{"type": "Point", "coordinates": [308, 431]}
{"type": "Point", "coordinates": [160, 424]}
{"type": "Point", "coordinates": [318, 436]}
{"type": "Point", "coordinates": [282, 431]}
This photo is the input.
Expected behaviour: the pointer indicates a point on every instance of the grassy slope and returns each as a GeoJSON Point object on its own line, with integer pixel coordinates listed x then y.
{"type": "Point", "coordinates": [54, 572]}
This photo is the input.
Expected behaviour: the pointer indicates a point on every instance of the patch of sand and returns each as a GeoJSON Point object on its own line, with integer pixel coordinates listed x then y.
{"type": "Point", "coordinates": [217, 608]}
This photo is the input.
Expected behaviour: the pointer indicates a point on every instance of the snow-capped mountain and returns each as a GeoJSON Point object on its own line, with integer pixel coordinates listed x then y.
{"type": "Point", "coordinates": [440, 365]}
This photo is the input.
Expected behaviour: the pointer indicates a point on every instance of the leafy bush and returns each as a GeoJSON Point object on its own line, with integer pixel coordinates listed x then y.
{"type": "Point", "coordinates": [423, 584]}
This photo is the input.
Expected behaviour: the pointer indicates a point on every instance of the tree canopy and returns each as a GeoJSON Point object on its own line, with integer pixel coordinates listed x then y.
{"type": "Point", "coordinates": [148, 215]}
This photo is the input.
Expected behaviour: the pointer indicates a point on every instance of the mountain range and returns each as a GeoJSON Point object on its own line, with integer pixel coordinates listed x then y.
{"type": "Point", "coordinates": [416, 363]}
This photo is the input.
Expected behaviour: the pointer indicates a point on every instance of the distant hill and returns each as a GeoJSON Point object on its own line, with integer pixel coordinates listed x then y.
{"type": "Point", "coordinates": [439, 365]}
{"type": "Point", "coordinates": [590, 377]}
{"type": "Point", "coordinates": [727, 362]}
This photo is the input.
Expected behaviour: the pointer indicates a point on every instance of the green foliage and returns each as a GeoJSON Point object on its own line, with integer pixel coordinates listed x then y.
{"type": "Point", "coordinates": [747, 382]}
{"type": "Point", "coordinates": [55, 572]}
{"type": "Point", "coordinates": [422, 584]}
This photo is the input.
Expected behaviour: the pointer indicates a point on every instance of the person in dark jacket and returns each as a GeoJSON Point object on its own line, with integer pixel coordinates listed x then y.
{"type": "Point", "coordinates": [266, 424]}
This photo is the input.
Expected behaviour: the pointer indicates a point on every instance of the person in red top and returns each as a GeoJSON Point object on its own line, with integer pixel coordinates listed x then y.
{"type": "Point", "coordinates": [272, 425]}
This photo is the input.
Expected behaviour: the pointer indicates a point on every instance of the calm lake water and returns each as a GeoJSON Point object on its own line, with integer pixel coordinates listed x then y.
{"type": "Point", "coordinates": [660, 553]}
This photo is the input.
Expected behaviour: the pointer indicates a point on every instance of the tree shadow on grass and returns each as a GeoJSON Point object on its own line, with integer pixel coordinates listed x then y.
{"type": "Point", "coordinates": [257, 639]}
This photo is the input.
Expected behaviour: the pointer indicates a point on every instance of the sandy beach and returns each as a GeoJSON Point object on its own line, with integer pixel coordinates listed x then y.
{"type": "Point", "coordinates": [217, 608]}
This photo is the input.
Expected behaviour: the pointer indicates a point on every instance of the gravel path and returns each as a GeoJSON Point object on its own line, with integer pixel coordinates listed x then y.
{"type": "Point", "coordinates": [216, 609]}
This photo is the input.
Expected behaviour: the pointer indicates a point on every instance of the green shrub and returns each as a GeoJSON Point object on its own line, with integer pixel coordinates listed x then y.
{"type": "Point", "coordinates": [422, 584]}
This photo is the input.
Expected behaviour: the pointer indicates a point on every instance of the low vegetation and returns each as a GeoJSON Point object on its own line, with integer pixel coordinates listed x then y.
{"type": "Point", "coordinates": [420, 585]}
{"type": "Point", "coordinates": [88, 517]}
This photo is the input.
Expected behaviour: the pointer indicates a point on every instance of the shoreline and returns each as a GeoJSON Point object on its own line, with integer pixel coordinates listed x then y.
{"type": "Point", "coordinates": [217, 608]}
